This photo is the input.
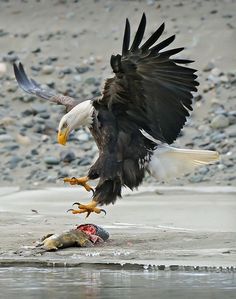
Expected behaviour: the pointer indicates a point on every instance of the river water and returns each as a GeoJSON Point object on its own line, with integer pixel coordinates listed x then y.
{"type": "Point", "coordinates": [37, 283]}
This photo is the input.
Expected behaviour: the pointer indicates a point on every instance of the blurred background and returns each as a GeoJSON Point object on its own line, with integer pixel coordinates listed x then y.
{"type": "Point", "coordinates": [66, 45]}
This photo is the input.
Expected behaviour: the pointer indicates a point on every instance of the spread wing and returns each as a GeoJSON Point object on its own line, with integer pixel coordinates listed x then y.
{"type": "Point", "coordinates": [32, 87]}
{"type": "Point", "coordinates": [149, 88]}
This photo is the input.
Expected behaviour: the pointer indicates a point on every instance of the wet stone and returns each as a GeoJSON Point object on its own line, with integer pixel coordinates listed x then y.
{"type": "Point", "coordinates": [196, 178]}
{"type": "Point", "coordinates": [27, 112]}
{"type": "Point", "coordinates": [50, 160]}
{"type": "Point", "coordinates": [218, 137]}
{"type": "Point", "coordinates": [90, 81]}
{"type": "Point", "coordinates": [6, 138]}
{"type": "Point", "coordinates": [45, 115]}
{"type": "Point", "coordinates": [84, 162]}
{"type": "Point", "coordinates": [15, 159]}
{"type": "Point", "coordinates": [62, 173]}
{"type": "Point", "coordinates": [47, 69]}
{"type": "Point", "coordinates": [10, 57]}
{"type": "Point", "coordinates": [220, 122]}
{"type": "Point", "coordinates": [231, 131]}
{"type": "Point", "coordinates": [216, 72]}
{"type": "Point", "coordinates": [67, 156]}
{"type": "Point", "coordinates": [25, 164]}
{"type": "Point", "coordinates": [82, 69]}
{"type": "Point", "coordinates": [51, 179]}
{"type": "Point", "coordinates": [28, 123]}
{"type": "Point", "coordinates": [203, 170]}
{"type": "Point", "coordinates": [208, 67]}
{"type": "Point", "coordinates": [39, 128]}
{"type": "Point", "coordinates": [39, 108]}
{"type": "Point", "coordinates": [34, 152]}
{"type": "Point", "coordinates": [11, 147]}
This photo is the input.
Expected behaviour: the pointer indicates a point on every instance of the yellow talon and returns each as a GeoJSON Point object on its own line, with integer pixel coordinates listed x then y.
{"type": "Point", "coordinates": [79, 181]}
{"type": "Point", "coordinates": [88, 208]}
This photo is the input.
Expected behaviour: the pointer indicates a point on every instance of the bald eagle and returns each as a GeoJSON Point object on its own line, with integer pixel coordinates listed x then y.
{"type": "Point", "coordinates": [142, 110]}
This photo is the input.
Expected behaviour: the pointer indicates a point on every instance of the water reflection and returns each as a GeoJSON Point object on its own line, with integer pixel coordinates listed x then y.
{"type": "Point", "coordinates": [73, 283]}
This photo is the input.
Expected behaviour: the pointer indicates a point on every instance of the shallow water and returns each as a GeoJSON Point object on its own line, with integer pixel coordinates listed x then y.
{"type": "Point", "coordinates": [72, 283]}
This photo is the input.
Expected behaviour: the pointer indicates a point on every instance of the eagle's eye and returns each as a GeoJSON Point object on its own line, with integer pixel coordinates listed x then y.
{"type": "Point", "coordinates": [64, 125]}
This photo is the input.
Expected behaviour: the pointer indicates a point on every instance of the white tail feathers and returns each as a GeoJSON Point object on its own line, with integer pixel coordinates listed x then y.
{"type": "Point", "coordinates": [168, 162]}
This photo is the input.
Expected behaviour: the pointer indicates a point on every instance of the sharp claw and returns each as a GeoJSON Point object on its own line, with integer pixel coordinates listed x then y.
{"type": "Point", "coordinates": [76, 203]}
{"type": "Point", "coordinates": [88, 213]}
{"type": "Point", "coordinates": [70, 210]}
{"type": "Point", "coordinates": [104, 211]}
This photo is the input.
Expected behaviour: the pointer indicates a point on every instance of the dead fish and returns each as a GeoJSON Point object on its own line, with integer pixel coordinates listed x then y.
{"type": "Point", "coordinates": [84, 235]}
{"type": "Point", "coordinates": [66, 239]}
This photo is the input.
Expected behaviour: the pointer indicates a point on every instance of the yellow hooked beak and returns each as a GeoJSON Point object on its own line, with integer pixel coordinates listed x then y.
{"type": "Point", "coordinates": [62, 136]}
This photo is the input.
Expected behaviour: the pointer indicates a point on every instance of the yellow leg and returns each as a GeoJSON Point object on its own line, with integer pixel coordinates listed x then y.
{"type": "Point", "coordinates": [89, 208]}
{"type": "Point", "coordinates": [79, 181]}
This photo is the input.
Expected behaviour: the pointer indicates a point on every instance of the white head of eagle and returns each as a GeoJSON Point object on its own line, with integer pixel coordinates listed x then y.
{"type": "Point", "coordinates": [80, 115]}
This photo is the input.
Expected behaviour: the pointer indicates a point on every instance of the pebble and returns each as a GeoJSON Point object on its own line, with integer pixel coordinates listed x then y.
{"type": "Point", "coordinates": [23, 140]}
{"type": "Point", "coordinates": [90, 81]}
{"type": "Point", "coordinates": [218, 137]}
{"type": "Point", "coordinates": [82, 69]}
{"type": "Point", "coordinates": [214, 79]}
{"type": "Point", "coordinates": [216, 72]}
{"type": "Point", "coordinates": [220, 122]}
{"type": "Point", "coordinates": [50, 160]}
{"type": "Point", "coordinates": [7, 121]}
{"type": "Point", "coordinates": [16, 159]}
{"type": "Point", "coordinates": [47, 69]}
{"type": "Point", "coordinates": [203, 170]}
{"type": "Point", "coordinates": [231, 131]}
{"type": "Point", "coordinates": [62, 173]}
{"type": "Point", "coordinates": [14, 162]}
{"type": "Point", "coordinates": [224, 79]}
{"type": "Point", "coordinates": [6, 138]}
{"type": "Point", "coordinates": [232, 117]}
{"type": "Point", "coordinates": [51, 179]}
{"type": "Point", "coordinates": [85, 161]}
{"type": "Point", "coordinates": [27, 122]}
{"type": "Point", "coordinates": [10, 57]}
{"type": "Point", "coordinates": [39, 108]}
{"type": "Point", "coordinates": [209, 67]}
{"type": "Point", "coordinates": [67, 156]}
{"type": "Point", "coordinates": [196, 178]}
{"type": "Point", "coordinates": [11, 147]}
{"type": "Point", "coordinates": [78, 78]}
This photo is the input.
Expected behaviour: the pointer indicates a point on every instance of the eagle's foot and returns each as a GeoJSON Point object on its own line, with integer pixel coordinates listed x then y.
{"type": "Point", "coordinates": [88, 208]}
{"type": "Point", "coordinates": [79, 181]}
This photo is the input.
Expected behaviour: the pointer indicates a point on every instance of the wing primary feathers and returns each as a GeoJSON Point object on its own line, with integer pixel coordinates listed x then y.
{"type": "Point", "coordinates": [182, 61]}
{"type": "Point", "coordinates": [153, 38]}
{"type": "Point", "coordinates": [19, 78]}
{"type": "Point", "coordinates": [32, 87]}
{"type": "Point", "coordinates": [163, 44]}
{"type": "Point", "coordinates": [139, 34]}
{"type": "Point", "coordinates": [171, 52]}
{"type": "Point", "coordinates": [28, 85]}
{"type": "Point", "coordinates": [126, 39]}
{"type": "Point", "coordinates": [150, 89]}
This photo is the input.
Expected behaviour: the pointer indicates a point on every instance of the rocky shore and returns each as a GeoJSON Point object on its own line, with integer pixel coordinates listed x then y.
{"type": "Point", "coordinates": [66, 45]}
